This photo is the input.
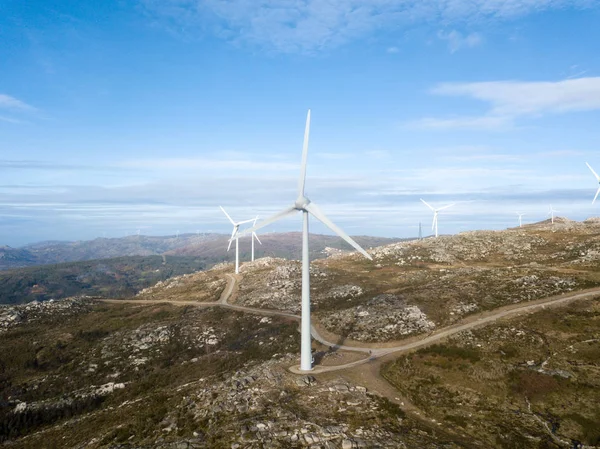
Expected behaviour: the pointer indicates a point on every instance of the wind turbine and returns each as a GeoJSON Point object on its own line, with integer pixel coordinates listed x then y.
{"type": "Point", "coordinates": [236, 226]}
{"type": "Point", "coordinates": [254, 236]}
{"type": "Point", "coordinates": [520, 215]}
{"type": "Point", "coordinates": [434, 225]}
{"type": "Point", "coordinates": [597, 178]}
{"type": "Point", "coordinates": [304, 205]}
{"type": "Point", "coordinates": [551, 213]}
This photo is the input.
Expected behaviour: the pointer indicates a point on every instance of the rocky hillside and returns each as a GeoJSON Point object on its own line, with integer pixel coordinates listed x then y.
{"type": "Point", "coordinates": [85, 373]}
{"type": "Point", "coordinates": [415, 287]}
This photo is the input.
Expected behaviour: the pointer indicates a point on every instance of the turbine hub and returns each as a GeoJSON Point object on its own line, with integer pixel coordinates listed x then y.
{"type": "Point", "coordinates": [301, 203]}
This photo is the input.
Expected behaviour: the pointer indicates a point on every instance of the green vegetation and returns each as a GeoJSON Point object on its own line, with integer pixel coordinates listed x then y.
{"type": "Point", "coordinates": [110, 278]}
{"type": "Point", "coordinates": [535, 376]}
{"type": "Point", "coordinates": [55, 364]}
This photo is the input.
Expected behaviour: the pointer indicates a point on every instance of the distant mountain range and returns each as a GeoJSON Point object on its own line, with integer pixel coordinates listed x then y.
{"type": "Point", "coordinates": [120, 267]}
{"type": "Point", "coordinates": [51, 252]}
{"type": "Point", "coordinates": [212, 247]}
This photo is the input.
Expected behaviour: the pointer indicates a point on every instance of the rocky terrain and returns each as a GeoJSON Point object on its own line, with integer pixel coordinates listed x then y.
{"type": "Point", "coordinates": [12, 316]}
{"type": "Point", "coordinates": [85, 373]}
{"type": "Point", "coordinates": [532, 382]}
{"type": "Point", "coordinates": [172, 377]}
{"type": "Point", "coordinates": [415, 287]}
{"type": "Point", "coordinates": [201, 286]}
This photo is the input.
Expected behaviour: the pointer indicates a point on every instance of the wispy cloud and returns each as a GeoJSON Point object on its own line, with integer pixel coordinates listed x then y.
{"type": "Point", "coordinates": [485, 123]}
{"type": "Point", "coordinates": [12, 103]}
{"type": "Point", "coordinates": [457, 40]}
{"type": "Point", "coordinates": [509, 100]}
{"type": "Point", "coordinates": [208, 164]}
{"type": "Point", "coordinates": [515, 98]}
{"type": "Point", "coordinates": [10, 120]}
{"type": "Point", "coordinates": [311, 25]}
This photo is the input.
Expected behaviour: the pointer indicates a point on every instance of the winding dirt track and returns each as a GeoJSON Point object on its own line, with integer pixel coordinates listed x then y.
{"type": "Point", "coordinates": [374, 352]}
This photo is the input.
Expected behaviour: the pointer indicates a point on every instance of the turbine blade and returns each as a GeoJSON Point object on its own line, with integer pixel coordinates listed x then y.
{"type": "Point", "coordinates": [254, 234]}
{"type": "Point", "coordinates": [245, 221]}
{"type": "Point", "coordinates": [304, 157]}
{"type": "Point", "coordinates": [267, 221]}
{"type": "Point", "coordinates": [592, 170]}
{"type": "Point", "coordinates": [231, 238]}
{"type": "Point", "coordinates": [314, 209]}
{"type": "Point", "coordinates": [597, 192]}
{"type": "Point", "coordinates": [434, 220]}
{"type": "Point", "coordinates": [446, 207]}
{"type": "Point", "coordinates": [426, 204]}
{"type": "Point", "coordinates": [232, 222]}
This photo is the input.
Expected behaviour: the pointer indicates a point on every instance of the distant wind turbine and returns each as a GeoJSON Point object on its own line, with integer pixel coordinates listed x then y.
{"type": "Point", "coordinates": [520, 222]}
{"type": "Point", "coordinates": [597, 179]}
{"type": "Point", "coordinates": [304, 205]}
{"type": "Point", "coordinates": [434, 225]}
{"type": "Point", "coordinates": [254, 236]}
{"type": "Point", "coordinates": [551, 213]}
{"type": "Point", "coordinates": [234, 234]}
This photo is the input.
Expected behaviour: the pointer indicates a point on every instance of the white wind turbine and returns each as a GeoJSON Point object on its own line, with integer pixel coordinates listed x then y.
{"type": "Point", "coordinates": [520, 215]}
{"type": "Point", "coordinates": [254, 236]}
{"type": "Point", "coordinates": [304, 205]}
{"type": "Point", "coordinates": [597, 179]}
{"type": "Point", "coordinates": [434, 225]}
{"type": "Point", "coordinates": [234, 234]}
{"type": "Point", "coordinates": [551, 213]}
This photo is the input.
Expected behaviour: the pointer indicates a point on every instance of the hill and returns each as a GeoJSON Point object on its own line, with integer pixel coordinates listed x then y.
{"type": "Point", "coordinates": [175, 366]}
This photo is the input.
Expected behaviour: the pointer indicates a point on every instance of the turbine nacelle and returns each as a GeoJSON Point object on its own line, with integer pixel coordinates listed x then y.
{"type": "Point", "coordinates": [301, 203]}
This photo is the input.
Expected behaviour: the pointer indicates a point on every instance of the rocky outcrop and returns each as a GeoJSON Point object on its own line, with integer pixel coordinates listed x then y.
{"type": "Point", "coordinates": [11, 316]}
{"type": "Point", "coordinates": [383, 318]}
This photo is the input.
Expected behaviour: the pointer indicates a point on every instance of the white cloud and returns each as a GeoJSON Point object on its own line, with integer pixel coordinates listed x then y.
{"type": "Point", "coordinates": [9, 120]}
{"type": "Point", "coordinates": [12, 103]}
{"type": "Point", "coordinates": [456, 40]}
{"type": "Point", "coordinates": [514, 98]}
{"type": "Point", "coordinates": [208, 164]}
{"type": "Point", "coordinates": [310, 25]}
{"type": "Point", "coordinates": [509, 100]}
{"type": "Point", "coordinates": [486, 123]}
{"type": "Point", "coordinates": [392, 50]}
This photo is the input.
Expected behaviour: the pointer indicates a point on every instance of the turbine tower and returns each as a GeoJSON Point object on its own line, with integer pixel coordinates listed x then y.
{"type": "Point", "coordinates": [434, 225]}
{"type": "Point", "coordinates": [520, 222]}
{"type": "Point", "coordinates": [254, 236]}
{"type": "Point", "coordinates": [236, 226]}
{"type": "Point", "coordinates": [304, 205]}
{"type": "Point", "coordinates": [597, 179]}
{"type": "Point", "coordinates": [551, 213]}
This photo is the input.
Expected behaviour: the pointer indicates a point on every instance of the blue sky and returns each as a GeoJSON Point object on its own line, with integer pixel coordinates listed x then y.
{"type": "Point", "coordinates": [149, 114]}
